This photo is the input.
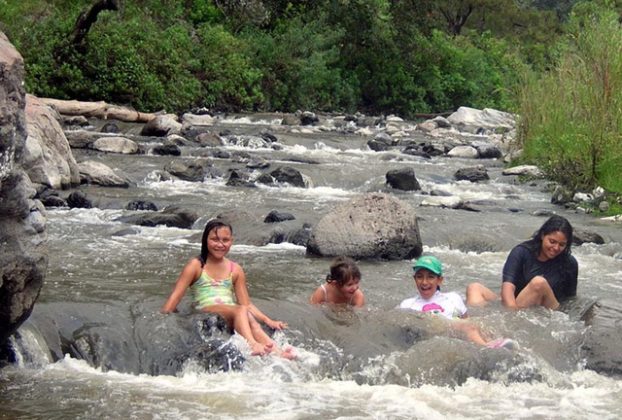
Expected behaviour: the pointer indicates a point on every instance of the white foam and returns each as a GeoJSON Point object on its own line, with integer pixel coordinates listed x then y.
{"type": "Point", "coordinates": [286, 247]}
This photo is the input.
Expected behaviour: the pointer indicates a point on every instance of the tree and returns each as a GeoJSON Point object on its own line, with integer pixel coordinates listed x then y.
{"type": "Point", "coordinates": [88, 18]}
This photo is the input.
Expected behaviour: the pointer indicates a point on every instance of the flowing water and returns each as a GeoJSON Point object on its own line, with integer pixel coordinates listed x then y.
{"type": "Point", "coordinates": [369, 363]}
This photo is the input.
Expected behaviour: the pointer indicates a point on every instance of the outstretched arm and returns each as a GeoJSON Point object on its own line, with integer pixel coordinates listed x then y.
{"type": "Point", "coordinates": [191, 271]}
{"type": "Point", "coordinates": [242, 298]}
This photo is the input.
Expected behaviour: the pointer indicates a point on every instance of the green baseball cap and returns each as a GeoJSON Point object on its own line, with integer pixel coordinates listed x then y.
{"type": "Point", "coordinates": [430, 263]}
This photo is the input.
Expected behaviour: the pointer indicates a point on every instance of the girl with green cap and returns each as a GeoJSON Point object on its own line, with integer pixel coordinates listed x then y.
{"type": "Point", "coordinates": [428, 275]}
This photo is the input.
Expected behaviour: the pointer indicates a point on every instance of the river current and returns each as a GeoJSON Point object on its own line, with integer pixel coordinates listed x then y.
{"type": "Point", "coordinates": [352, 364]}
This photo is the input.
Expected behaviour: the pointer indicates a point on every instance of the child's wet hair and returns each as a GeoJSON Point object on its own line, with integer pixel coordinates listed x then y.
{"type": "Point", "coordinates": [211, 225]}
{"type": "Point", "coordinates": [342, 270]}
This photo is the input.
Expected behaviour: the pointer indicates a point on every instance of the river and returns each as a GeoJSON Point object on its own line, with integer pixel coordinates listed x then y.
{"type": "Point", "coordinates": [352, 364]}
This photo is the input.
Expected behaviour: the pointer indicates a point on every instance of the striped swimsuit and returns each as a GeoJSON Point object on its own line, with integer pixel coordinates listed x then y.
{"type": "Point", "coordinates": [208, 291]}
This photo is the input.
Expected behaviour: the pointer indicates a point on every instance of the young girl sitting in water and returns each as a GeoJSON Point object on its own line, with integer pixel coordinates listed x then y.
{"type": "Point", "coordinates": [428, 274]}
{"type": "Point", "coordinates": [342, 284]}
{"type": "Point", "coordinates": [219, 286]}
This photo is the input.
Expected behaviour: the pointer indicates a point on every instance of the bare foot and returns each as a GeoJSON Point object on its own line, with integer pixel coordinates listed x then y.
{"type": "Point", "coordinates": [289, 353]}
{"type": "Point", "coordinates": [257, 349]}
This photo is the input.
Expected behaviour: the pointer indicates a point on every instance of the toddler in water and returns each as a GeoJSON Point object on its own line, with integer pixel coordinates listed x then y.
{"type": "Point", "coordinates": [219, 286]}
{"type": "Point", "coordinates": [342, 284]}
{"type": "Point", "coordinates": [428, 279]}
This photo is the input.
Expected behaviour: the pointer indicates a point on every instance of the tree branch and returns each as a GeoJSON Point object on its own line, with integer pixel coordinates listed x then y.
{"type": "Point", "coordinates": [88, 18]}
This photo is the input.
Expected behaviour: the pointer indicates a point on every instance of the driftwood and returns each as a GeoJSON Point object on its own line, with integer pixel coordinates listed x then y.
{"type": "Point", "coordinates": [100, 109]}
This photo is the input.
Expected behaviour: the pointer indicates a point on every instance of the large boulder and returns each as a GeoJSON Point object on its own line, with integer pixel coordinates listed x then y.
{"type": "Point", "coordinates": [372, 226]}
{"type": "Point", "coordinates": [23, 251]}
{"type": "Point", "coordinates": [47, 155]}
{"type": "Point", "coordinates": [603, 340]}
{"type": "Point", "coordinates": [475, 120]}
{"type": "Point", "coordinates": [162, 125]}
{"type": "Point", "coordinates": [93, 172]}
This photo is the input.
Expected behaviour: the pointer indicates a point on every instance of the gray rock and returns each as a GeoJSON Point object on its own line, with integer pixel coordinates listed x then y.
{"type": "Point", "coordinates": [603, 340]}
{"type": "Point", "coordinates": [79, 200]}
{"type": "Point", "coordinates": [166, 149]}
{"type": "Point", "coordinates": [240, 178]}
{"type": "Point", "coordinates": [525, 170]}
{"type": "Point", "coordinates": [309, 118]}
{"type": "Point", "coordinates": [141, 205]}
{"type": "Point", "coordinates": [487, 150]}
{"type": "Point", "coordinates": [471, 120]}
{"type": "Point", "coordinates": [604, 206]}
{"type": "Point", "coordinates": [110, 127]}
{"type": "Point", "coordinates": [403, 179]}
{"type": "Point", "coordinates": [171, 216]}
{"type": "Point", "coordinates": [92, 172]}
{"type": "Point", "coordinates": [276, 216]}
{"type": "Point", "coordinates": [209, 139]}
{"type": "Point", "coordinates": [47, 155]}
{"type": "Point", "coordinates": [288, 175]}
{"type": "Point", "coordinates": [75, 121]}
{"type": "Point", "coordinates": [473, 174]}
{"type": "Point", "coordinates": [140, 340]}
{"type": "Point", "coordinates": [162, 125]}
{"type": "Point", "coordinates": [371, 226]}
{"type": "Point", "coordinates": [115, 145]}
{"type": "Point", "coordinates": [469, 152]}
{"type": "Point", "coordinates": [188, 170]}
{"type": "Point", "coordinates": [23, 240]}
{"type": "Point", "coordinates": [581, 236]}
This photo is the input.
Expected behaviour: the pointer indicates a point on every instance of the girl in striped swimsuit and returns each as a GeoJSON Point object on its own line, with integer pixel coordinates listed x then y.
{"type": "Point", "coordinates": [219, 286]}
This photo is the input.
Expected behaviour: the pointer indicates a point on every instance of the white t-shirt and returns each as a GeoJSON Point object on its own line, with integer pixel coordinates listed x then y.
{"type": "Point", "coordinates": [449, 304]}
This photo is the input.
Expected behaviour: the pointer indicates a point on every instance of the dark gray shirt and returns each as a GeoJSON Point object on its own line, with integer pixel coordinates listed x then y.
{"type": "Point", "coordinates": [561, 272]}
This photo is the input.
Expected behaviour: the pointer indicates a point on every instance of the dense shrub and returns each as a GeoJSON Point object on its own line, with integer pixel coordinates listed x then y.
{"type": "Point", "coordinates": [571, 120]}
{"type": "Point", "coordinates": [299, 64]}
{"type": "Point", "coordinates": [268, 55]}
{"type": "Point", "coordinates": [228, 78]}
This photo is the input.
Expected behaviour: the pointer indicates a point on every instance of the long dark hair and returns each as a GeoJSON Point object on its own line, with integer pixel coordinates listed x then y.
{"type": "Point", "coordinates": [212, 224]}
{"type": "Point", "coordinates": [342, 270]}
{"type": "Point", "coordinates": [553, 224]}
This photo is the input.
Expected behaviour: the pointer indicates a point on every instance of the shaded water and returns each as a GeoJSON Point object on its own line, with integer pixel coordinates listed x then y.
{"type": "Point", "coordinates": [372, 363]}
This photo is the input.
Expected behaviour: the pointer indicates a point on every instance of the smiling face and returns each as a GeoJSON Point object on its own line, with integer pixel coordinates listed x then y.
{"type": "Point", "coordinates": [553, 244]}
{"type": "Point", "coordinates": [427, 282]}
{"type": "Point", "coordinates": [219, 242]}
{"type": "Point", "coordinates": [350, 287]}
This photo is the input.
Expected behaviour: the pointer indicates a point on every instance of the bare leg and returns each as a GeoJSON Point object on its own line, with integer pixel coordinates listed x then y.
{"type": "Point", "coordinates": [469, 330]}
{"type": "Point", "coordinates": [237, 317]}
{"type": "Point", "coordinates": [537, 292]}
{"type": "Point", "coordinates": [479, 295]}
{"type": "Point", "coordinates": [258, 333]}
{"type": "Point", "coordinates": [263, 338]}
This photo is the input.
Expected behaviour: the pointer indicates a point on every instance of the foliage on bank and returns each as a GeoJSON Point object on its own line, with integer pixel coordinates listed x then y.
{"type": "Point", "coordinates": [376, 56]}
{"type": "Point", "coordinates": [571, 117]}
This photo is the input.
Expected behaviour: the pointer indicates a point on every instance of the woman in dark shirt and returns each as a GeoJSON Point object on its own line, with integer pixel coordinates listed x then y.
{"type": "Point", "coordinates": [540, 271]}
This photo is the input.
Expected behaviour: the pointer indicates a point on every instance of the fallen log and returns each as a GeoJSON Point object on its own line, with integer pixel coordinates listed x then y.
{"type": "Point", "coordinates": [100, 109]}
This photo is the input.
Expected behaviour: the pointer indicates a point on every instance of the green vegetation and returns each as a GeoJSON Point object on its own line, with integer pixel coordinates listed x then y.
{"type": "Point", "coordinates": [376, 56]}
{"type": "Point", "coordinates": [571, 117]}
{"type": "Point", "coordinates": [558, 64]}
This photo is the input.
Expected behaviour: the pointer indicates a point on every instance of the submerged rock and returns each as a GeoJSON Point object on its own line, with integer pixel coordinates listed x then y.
{"type": "Point", "coordinates": [113, 337]}
{"type": "Point", "coordinates": [603, 340]}
{"type": "Point", "coordinates": [171, 216]}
